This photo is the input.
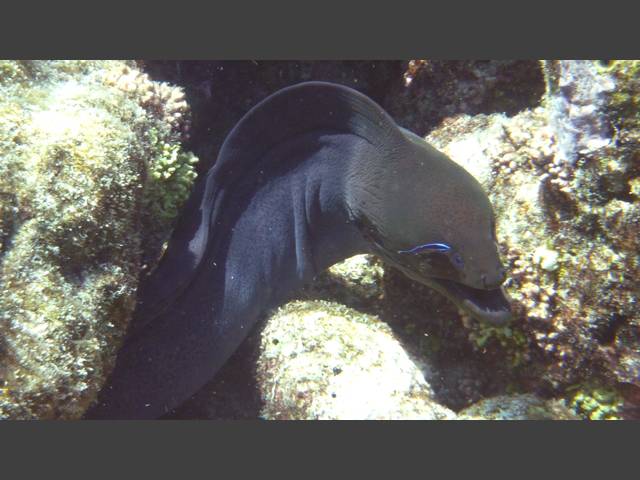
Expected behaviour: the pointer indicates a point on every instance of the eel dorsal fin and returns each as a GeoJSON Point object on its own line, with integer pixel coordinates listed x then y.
{"type": "Point", "coordinates": [300, 109]}
{"type": "Point", "coordinates": [288, 113]}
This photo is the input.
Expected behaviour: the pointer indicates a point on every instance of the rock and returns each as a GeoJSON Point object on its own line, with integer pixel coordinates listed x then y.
{"type": "Point", "coordinates": [546, 258]}
{"type": "Point", "coordinates": [76, 141]}
{"type": "Point", "coordinates": [442, 89]}
{"type": "Point", "coordinates": [576, 98]}
{"type": "Point", "coordinates": [321, 360]}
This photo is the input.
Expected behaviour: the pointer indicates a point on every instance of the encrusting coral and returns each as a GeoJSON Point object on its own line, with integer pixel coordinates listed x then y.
{"type": "Point", "coordinates": [77, 146]}
{"type": "Point", "coordinates": [595, 402]}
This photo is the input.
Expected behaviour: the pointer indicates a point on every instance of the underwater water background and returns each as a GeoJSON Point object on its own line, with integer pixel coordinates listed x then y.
{"type": "Point", "coordinates": [98, 157]}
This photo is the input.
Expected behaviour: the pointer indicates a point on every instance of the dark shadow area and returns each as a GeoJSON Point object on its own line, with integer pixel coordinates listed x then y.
{"type": "Point", "coordinates": [233, 394]}
{"type": "Point", "coordinates": [219, 93]}
{"type": "Point", "coordinates": [448, 88]}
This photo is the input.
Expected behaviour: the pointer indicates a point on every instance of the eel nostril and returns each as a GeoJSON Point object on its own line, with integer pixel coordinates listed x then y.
{"type": "Point", "coordinates": [483, 279]}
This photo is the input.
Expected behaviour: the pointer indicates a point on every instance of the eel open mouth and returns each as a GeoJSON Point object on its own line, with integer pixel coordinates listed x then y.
{"type": "Point", "coordinates": [485, 305]}
{"type": "Point", "coordinates": [491, 306]}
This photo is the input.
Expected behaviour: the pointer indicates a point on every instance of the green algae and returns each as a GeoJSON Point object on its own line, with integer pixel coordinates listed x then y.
{"type": "Point", "coordinates": [172, 174]}
{"type": "Point", "coordinates": [595, 402]}
{"type": "Point", "coordinates": [510, 338]}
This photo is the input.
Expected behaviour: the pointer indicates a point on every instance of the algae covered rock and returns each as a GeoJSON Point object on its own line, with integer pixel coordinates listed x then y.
{"type": "Point", "coordinates": [321, 360]}
{"type": "Point", "coordinates": [561, 177]}
{"type": "Point", "coordinates": [517, 407]}
{"type": "Point", "coordinates": [76, 148]}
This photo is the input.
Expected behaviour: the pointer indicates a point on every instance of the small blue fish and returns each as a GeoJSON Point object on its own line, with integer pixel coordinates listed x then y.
{"type": "Point", "coordinates": [432, 247]}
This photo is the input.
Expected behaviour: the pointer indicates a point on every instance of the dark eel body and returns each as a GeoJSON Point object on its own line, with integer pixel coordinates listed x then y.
{"type": "Point", "coordinates": [313, 174]}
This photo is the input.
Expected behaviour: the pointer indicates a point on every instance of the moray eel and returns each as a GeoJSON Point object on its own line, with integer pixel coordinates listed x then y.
{"type": "Point", "coordinates": [313, 174]}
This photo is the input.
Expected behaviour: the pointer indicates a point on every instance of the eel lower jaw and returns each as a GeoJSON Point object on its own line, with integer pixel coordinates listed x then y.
{"type": "Point", "coordinates": [491, 306]}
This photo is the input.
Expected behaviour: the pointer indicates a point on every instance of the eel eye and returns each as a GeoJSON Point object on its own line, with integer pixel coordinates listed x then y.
{"type": "Point", "coordinates": [428, 247]}
{"type": "Point", "coordinates": [457, 260]}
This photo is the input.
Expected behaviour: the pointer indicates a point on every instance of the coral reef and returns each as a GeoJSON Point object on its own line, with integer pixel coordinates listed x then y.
{"type": "Point", "coordinates": [170, 171]}
{"type": "Point", "coordinates": [562, 184]}
{"type": "Point", "coordinates": [92, 174]}
{"type": "Point", "coordinates": [164, 102]}
{"type": "Point", "coordinates": [76, 149]}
